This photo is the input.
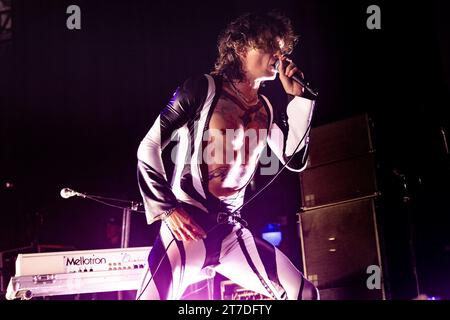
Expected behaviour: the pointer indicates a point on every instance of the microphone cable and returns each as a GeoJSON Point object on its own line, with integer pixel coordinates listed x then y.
{"type": "Point", "coordinates": [277, 174]}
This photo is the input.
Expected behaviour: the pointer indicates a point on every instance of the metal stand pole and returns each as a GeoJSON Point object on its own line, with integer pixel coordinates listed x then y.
{"type": "Point", "coordinates": [125, 239]}
{"type": "Point", "coordinates": [407, 202]}
{"type": "Point", "coordinates": [125, 228]}
{"type": "Point", "coordinates": [210, 282]}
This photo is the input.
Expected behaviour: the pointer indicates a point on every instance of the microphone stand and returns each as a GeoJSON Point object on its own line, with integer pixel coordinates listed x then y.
{"type": "Point", "coordinates": [407, 203]}
{"type": "Point", "coordinates": [125, 238]}
{"type": "Point", "coordinates": [126, 218]}
{"type": "Point", "coordinates": [126, 214]}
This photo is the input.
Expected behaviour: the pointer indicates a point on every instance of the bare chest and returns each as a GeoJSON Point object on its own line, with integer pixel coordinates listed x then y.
{"type": "Point", "coordinates": [228, 115]}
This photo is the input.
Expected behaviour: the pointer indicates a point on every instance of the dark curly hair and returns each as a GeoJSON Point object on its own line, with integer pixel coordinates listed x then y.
{"type": "Point", "coordinates": [251, 30]}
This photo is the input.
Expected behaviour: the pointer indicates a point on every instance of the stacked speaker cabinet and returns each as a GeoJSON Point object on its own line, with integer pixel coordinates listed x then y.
{"type": "Point", "coordinates": [338, 228]}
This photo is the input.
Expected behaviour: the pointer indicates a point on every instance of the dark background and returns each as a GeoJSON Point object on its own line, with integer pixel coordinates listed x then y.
{"type": "Point", "coordinates": [75, 105]}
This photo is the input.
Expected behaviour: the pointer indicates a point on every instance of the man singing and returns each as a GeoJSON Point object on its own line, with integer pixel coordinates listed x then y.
{"type": "Point", "coordinates": [223, 125]}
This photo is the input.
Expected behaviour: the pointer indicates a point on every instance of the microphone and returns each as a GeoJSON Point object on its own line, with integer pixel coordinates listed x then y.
{"type": "Point", "coordinates": [68, 193]}
{"type": "Point", "coordinates": [298, 78]}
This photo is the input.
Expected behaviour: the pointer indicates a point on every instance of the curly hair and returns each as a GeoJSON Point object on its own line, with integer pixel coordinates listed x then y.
{"type": "Point", "coordinates": [251, 30]}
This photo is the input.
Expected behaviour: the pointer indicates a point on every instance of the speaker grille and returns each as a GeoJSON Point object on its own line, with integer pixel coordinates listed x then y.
{"type": "Point", "coordinates": [339, 243]}
{"type": "Point", "coordinates": [338, 181]}
{"type": "Point", "coordinates": [340, 140]}
{"type": "Point", "coordinates": [338, 226]}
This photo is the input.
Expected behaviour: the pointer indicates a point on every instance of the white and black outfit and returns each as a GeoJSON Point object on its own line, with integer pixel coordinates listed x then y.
{"type": "Point", "coordinates": [230, 248]}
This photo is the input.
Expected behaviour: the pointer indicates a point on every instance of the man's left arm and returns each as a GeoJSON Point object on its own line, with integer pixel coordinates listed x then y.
{"type": "Point", "coordinates": [289, 133]}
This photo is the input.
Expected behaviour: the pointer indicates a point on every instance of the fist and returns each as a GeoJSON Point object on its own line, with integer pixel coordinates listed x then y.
{"type": "Point", "coordinates": [286, 69]}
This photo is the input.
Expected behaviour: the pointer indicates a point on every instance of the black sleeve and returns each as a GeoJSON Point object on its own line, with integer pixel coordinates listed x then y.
{"type": "Point", "coordinates": [152, 180]}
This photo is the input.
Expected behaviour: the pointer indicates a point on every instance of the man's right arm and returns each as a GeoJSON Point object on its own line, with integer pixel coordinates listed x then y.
{"type": "Point", "coordinates": [152, 179]}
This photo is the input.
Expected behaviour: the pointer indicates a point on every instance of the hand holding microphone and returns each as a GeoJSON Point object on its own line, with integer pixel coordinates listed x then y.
{"type": "Point", "coordinates": [292, 78]}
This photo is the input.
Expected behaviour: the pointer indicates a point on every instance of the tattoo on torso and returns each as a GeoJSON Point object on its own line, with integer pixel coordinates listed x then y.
{"type": "Point", "coordinates": [233, 115]}
{"type": "Point", "coordinates": [247, 127]}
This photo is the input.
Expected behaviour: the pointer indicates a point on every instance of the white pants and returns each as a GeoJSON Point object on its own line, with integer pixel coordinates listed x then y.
{"type": "Point", "coordinates": [230, 250]}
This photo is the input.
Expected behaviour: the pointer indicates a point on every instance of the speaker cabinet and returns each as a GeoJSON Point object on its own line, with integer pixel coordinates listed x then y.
{"type": "Point", "coordinates": [338, 181]}
{"type": "Point", "coordinates": [339, 243]}
{"type": "Point", "coordinates": [340, 140]}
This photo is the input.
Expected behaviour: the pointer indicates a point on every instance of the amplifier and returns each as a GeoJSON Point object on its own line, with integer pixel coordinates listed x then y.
{"type": "Point", "coordinates": [339, 243]}
{"type": "Point", "coordinates": [338, 181]}
{"type": "Point", "coordinates": [340, 140]}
